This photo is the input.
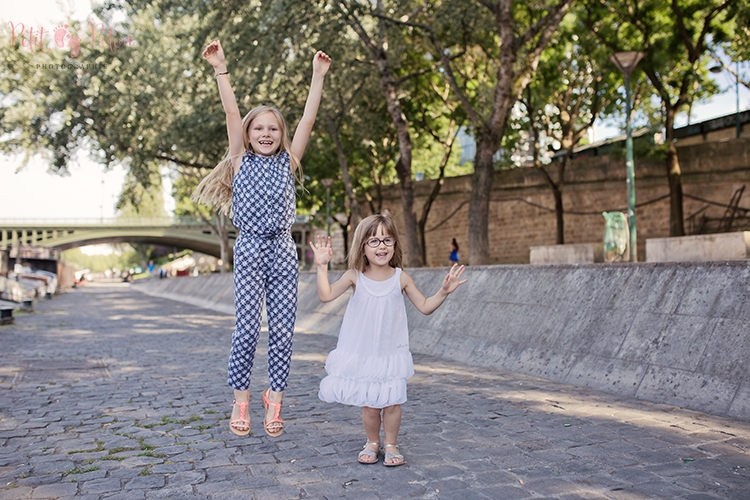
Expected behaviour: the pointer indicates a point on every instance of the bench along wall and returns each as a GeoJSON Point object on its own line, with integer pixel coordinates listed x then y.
{"type": "Point", "coordinates": [664, 332]}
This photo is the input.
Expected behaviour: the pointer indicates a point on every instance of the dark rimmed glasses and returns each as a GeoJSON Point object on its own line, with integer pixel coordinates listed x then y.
{"type": "Point", "coordinates": [375, 242]}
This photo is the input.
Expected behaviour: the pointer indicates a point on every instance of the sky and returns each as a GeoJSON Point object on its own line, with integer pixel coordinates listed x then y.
{"type": "Point", "coordinates": [90, 192]}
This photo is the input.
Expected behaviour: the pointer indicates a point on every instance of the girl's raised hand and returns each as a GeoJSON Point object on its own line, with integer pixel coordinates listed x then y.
{"type": "Point", "coordinates": [214, 54]}
{"type": "Point", "coordinates": [322, 249]}
{"type": "Point", "coordinates": [321, 63]}
{"type": "Point", "coordinates": [453, 278]}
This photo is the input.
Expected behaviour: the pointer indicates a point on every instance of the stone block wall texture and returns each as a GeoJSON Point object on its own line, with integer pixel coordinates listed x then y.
{"type": "Point", "coordinates": [672, 333]}
{"type": "Point", "coordinates": [522, 207]}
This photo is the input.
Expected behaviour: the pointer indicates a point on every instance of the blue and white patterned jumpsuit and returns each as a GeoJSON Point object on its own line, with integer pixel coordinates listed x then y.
{"type": "Point", "coordinates": [265, 263]}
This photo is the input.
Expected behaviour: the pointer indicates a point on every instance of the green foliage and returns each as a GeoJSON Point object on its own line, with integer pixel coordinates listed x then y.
{"type": "Point", "coordinates": [643, 148]}
{"type": "Point", "coordinates": [738, 44]}
{"type": "Point", "coordinates": [153, 105]}
{"type": "Point", "coordinates": [673, 35]}
{"type": "Point", "coordinates": [96, 263]}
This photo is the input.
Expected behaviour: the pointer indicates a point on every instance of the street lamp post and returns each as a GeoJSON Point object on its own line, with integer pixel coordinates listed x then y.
{"type": "Point", "coordinates": [327, 183]}
{"type": "Point", "coordinates": [627, 61]}
{"type": "Point", "coordinates": [718, 69]}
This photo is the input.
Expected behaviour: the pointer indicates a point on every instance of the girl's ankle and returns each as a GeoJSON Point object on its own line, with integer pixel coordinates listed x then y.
{"type": "Point", "coordinates": [241, 396]}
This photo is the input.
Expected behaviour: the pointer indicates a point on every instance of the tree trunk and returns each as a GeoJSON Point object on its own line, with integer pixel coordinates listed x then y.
{"type": "Point", "coordinates": [413, 257]}
{"type": "Point", "coordinates": [557, 192]}
{"type": "Point", "coordinates": [223, 236]}
{"type": "Point", "coordinates": [559, 215]}
{"type": "Point", "coordinates": [479, 205]}
{"type": "Point", "coordinates": [403, 165]}
{"type": "Point", "coordinates": [219, 229]}
{"type": "Point", "coordinates": [350, 201]}
{"type": "Point", "coordinates": [674, 175]}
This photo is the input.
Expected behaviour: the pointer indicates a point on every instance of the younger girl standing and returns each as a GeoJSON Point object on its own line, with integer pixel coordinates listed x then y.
{"type": "Point", "coordinates": [257, 178]}
{"type": "Point", "coordinates": [371, 362]}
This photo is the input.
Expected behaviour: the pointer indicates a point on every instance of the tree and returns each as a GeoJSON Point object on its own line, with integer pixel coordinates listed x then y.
{"type": "Point", "coordinates": [173, 116]}
{"type": "Point", "coordinates": [139, 201]}
{"type": "Point", "coordinates": [675, 39]}
{"type": "Point", "coordinates": [571, 88]}
{"type": "Point", "coordinates": [380, 43]}
{"type": "Point", "coordinates": [503, 44]}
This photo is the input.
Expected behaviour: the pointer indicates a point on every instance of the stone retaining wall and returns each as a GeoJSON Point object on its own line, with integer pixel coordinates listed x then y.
{"type": "Point", "coordinates": [671, 333]}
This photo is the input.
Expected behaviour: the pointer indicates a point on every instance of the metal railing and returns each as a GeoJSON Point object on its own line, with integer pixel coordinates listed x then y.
{"type": "Point", "coordinates": [114, 221]}
{"type": "Point", "coordinates": [111, 222]}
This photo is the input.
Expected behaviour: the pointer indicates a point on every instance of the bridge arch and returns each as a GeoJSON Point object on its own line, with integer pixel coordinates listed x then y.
{"type": "Point", "coordinates": [182, 232]}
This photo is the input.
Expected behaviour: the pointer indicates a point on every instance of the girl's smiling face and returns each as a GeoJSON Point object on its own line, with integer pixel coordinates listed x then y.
{"type": "Point", "coordinates": [381, 254]}
{"type": "Point", "coordinates": [265, 134]}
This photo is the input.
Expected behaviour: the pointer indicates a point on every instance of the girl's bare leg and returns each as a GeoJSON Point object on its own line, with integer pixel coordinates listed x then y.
{"type": "Point", "coordinates": [371, 422]}
{"type": "Point", "coordinates": [391, 426]}
{"type": "Point", "coordinates": [274, 397]}
{"type": "Point", "coordinates": [240, 397]}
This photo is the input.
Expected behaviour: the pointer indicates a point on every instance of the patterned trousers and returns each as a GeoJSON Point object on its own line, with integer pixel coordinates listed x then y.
{"type": "Point", "coordinates": [263, 268]}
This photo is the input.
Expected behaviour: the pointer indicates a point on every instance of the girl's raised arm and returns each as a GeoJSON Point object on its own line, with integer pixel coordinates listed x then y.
{"type": "Point", "coordinates": [323, 254]}
{"type": "Point", "coordinates": [214, 54]}
{"type": "Point", "coordinates": [428, 305]}
{"type": "Point", "coordinates": [321, 63]}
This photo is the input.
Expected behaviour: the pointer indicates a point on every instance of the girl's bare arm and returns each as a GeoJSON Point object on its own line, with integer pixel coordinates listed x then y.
{"type": "Point", "coordinates": [214, 54]}
{"type": "Point", "coordinates": [428, 305]}
{"type": "Point", "coordinates": [327, 291]}
{"type": "Point", "coordinates": [321, 63]}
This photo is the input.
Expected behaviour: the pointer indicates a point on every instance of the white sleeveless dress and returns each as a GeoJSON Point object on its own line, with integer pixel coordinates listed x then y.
{"type": "Point", "coordinates": [372, 361]}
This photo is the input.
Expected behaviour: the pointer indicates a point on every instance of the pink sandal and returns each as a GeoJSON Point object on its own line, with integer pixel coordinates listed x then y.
{"type": "Point", "coordinates": [243, 420]}
{"type": "Point", "coordinates": [276, 415]}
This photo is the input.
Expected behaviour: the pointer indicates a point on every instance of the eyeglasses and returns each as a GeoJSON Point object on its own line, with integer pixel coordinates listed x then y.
{"type": "Point", "coordinates": [375, 242]}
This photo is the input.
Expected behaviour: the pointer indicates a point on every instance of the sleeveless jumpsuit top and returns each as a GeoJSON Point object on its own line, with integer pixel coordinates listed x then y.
{"type": "Point", "coordinates": [372, 361]}
{"type": "Point", "coordinates": [264, 209]}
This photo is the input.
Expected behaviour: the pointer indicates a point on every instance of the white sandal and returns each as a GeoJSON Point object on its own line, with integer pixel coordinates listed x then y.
{"type": "Point", "coordinates": [370, 453]}
{"type": "Point", "coordinates": [389, 455]}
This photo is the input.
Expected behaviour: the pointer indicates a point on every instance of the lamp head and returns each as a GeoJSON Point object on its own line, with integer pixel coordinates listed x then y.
{"type": "Point", "coordinates": [716, 69]}
{"type": "Point", "coordinates": [627, 61]}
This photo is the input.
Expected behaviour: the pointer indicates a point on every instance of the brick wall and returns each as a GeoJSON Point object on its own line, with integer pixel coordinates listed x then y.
{"type": "Point", "coordinates": [522, 207]}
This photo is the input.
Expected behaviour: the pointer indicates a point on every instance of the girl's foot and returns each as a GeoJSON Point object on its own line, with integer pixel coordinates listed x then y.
{"type": "Point", "coordinates": [369, 455]}
{"type": "Point", "coordinates": [239, 423]}
{"type": "Point", "coordinates": [392, 457]}
{"type": "Point", "coordinates": [272, 422]}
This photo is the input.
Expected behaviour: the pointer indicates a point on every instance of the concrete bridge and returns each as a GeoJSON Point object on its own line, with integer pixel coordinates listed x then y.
{"type": "Point", "coordinates": [183, 232]}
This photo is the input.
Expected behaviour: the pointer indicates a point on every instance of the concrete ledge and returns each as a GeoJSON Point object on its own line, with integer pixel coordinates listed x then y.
{"type": "Point", "coordinates": [210, 291]}
{"type": "Point", "coordinates": [700, 247]}
{"type": "Point", "coordinates": [669, 333]}
{"type": "Point", "coordinates": [580, 253]}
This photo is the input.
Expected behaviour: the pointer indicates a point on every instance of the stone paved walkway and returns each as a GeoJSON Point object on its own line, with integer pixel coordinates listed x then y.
{"type": "Point", "coordinates": [109, 393]}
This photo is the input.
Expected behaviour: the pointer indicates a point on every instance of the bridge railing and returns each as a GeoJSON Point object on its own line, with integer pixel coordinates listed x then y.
{"type": "Point", "coordinates": [102, 221]}
{"type": "Point", "coordinates": [23, 223]}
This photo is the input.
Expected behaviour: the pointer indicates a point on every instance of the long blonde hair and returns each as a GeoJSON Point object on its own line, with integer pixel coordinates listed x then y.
{"type": "Point", "coordinates": [216, 188]}
{"type": "Point", "coordinates": [367, 229]}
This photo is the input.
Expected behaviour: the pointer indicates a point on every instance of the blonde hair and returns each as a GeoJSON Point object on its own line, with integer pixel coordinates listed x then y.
{"type": "Point", "coordinates": [367, 229]}
{"type": "Point", "coordinates": [216, 188]}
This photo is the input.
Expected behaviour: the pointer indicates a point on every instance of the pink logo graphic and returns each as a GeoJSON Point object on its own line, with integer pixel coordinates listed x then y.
{"type": "Point", "coordinates": [63, 38]}
{"type": "Point", "coordinates": [33, 38]}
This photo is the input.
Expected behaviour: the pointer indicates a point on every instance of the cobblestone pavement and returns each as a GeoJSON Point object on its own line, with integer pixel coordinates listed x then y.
{"type": "Point", "coordinates": [109, 393]}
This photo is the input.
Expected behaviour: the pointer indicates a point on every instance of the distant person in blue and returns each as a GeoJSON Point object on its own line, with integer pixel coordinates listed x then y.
{"type": "Point", "coordinates": [256, 179]}
{"type": "Point", "coordinates": [151, 267]}
{"type": "Point", "coordinates": [454, 252]}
